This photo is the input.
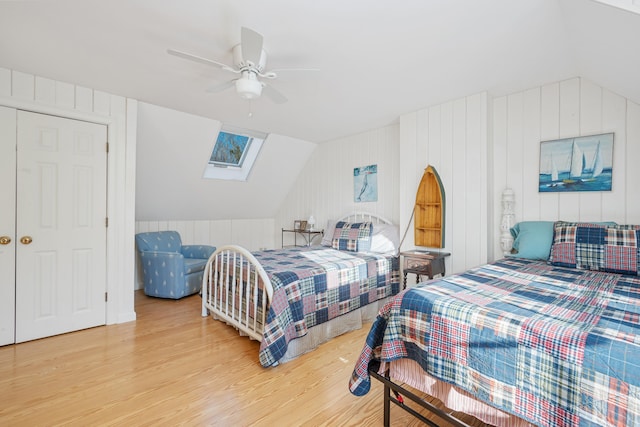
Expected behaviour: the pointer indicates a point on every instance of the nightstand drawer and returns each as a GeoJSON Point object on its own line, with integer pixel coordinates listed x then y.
{"type": "Point", "coordinates": [423, 263]}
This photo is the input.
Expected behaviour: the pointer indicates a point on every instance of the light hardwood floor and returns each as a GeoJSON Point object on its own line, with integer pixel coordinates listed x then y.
{"type": "Point", "coordinates": [173, 367]}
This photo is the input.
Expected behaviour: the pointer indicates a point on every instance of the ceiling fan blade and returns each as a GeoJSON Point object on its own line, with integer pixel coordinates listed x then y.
{"type": "Point", "coordinates": [294, 69]}
{"type": "Point", "coordinates": [221, 86]}
{"type": "Point", "coordinates": [200, 59]}
{"type": "Point", "coordinates": [251, 43]}
{"type": "Point", "coordinates": [273, 94]}
{"type": "Point", "coordinates": [272, 74]}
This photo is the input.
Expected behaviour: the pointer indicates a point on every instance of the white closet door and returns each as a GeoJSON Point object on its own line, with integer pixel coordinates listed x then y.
{"type": "Point", "coordinates": [60, 227]}
{"type": "Point", "coordinates": [7, 224]}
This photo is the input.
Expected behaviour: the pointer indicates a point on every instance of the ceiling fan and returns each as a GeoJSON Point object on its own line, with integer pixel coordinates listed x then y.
{"type": "Point", "coordinates": [249, 61]}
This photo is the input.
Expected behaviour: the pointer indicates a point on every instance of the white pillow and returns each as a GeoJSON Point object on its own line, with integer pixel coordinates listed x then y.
{"type": "Point", "coordinates": [385, 239]}
{"type": "Point", "coordinates": [327, 238]}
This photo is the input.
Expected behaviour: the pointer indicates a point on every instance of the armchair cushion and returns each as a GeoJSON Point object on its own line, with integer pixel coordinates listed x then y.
{"type": "Point", "coordinates": [170, 269]}
{"type": "Point", "coordinates": [192, 265]}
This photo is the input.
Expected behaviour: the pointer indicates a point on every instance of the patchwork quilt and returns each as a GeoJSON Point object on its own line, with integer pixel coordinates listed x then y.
{"type": "Point", "coordinates": [312, 285]}
{"type": "Point", "coordinates": [555, 346]}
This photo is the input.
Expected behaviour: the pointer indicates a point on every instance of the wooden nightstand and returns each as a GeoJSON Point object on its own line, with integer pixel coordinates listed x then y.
{"type": "Point", "coordinates": [423, 263]}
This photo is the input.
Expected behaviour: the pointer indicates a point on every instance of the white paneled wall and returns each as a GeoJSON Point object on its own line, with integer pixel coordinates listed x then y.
{"type": "Point", "coordinates": [252, 234]}
{"type": "Point", "coordinates": [325, 188]}
{"type": "Point", "coordinates": [34, 93]}
{"type": "Point", "coordinates": [574, 107]}
{"type": "Point", "coordinates": [452, 137]}
{"type": "Point", "coordinates": [479, 146]}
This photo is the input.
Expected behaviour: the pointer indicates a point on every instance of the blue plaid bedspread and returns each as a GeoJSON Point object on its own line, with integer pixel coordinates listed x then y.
{"type": "Point", "coordinates": [313, 285]}
{"type": "Point", "coordinates": [554, 346]}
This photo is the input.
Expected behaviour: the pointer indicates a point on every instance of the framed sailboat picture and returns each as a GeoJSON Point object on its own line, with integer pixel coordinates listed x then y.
{"type": "Point", "coordinates": [583, 163]}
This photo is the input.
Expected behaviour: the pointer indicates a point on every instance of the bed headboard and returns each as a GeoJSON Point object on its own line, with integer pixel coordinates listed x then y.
{"type": "Point", "coordinates": [365, 216]}
{"type": "Point", "coordinates": [507, 221]}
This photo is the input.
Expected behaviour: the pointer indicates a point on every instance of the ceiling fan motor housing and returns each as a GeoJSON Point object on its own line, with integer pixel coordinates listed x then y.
{"type": "Point", "coordinates": [241, 63]}
{"type": "Point", "coordinates": [248, 86]}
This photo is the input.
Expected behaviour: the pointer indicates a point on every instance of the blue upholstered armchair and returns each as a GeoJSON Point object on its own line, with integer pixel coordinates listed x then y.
{"type": "Point", "coordinates": [170, 269]}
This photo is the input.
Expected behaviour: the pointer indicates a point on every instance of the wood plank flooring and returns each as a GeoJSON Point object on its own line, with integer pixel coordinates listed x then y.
{"type": "Point", "coordinates": [173, 367]}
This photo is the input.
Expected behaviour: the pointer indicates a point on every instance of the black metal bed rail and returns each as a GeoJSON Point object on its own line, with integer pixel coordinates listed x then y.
{"type": "Point", "coordinates": [393, 394]}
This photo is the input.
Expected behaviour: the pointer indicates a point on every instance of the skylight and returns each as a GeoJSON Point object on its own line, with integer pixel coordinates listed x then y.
{"type": "Point", "coordinates": [230, 149]}
{"type": "Point", "coordinates": [233, 154]}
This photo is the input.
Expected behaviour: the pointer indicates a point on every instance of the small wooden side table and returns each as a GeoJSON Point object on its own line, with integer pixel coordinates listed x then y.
{"type": "Point", "coordinates": [423, 263]}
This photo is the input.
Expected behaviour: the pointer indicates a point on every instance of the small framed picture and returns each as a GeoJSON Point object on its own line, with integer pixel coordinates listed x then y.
{"type": "Point", "coordinates": [300, 225]}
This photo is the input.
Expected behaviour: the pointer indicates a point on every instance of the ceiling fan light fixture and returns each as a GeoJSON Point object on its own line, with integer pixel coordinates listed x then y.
{"type": "Point", "coordinates": [248, 88]}
{"type": "Point", "coordinates": [249, 62]}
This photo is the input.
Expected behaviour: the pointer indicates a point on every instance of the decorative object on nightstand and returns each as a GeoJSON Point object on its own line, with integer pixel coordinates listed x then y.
{"type": "Point", "coordinates": [422, 263]}
{"type": "Point", "coordinates": [300, 225]}
{"type": "Point", "coordinates": [311, 221]}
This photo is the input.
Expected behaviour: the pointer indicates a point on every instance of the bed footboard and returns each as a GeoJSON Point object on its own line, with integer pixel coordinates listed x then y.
{"type": "Point", "coordinates": [236, 290]}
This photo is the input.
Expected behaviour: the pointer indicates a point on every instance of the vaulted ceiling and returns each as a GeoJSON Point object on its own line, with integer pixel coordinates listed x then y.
{"type": "Point", "coordinates": [376, 59]}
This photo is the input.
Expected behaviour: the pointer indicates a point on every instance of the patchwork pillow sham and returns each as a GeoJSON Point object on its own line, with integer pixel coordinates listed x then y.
{"type": "Point", "coordinates": [353, 237]}
{"type": "Point", "coordinates": [599, 247]}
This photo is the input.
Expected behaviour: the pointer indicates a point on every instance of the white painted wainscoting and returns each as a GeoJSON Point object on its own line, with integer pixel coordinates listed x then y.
{"type": "Point", "coordinates": [325, 188]}
{"type": "Point", "coordinates": [252, 234]}
{"type": "Point", "coordinates": [453, 138]}
{"type": "Point", "coordinates": [573, 107]}
{"type": "Point", "coordinates": [29, 92]}
{"type": "Point", "coordinates": [479, 145]}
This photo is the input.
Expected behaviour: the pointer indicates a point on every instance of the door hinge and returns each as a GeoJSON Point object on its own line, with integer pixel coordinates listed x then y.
{"type": "Point", "coordinates": [106, 296]}
{"type": "Point", "coordinates": [106, 222]}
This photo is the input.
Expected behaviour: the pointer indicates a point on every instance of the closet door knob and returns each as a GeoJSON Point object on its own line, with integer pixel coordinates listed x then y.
{"type": "Point", "coordinates": [25, 240]}
{"type": "Point", "coordinates": [5, 240]}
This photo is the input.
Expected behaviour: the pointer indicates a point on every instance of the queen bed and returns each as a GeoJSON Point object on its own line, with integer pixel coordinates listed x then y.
{"type": "Point", "coordinates": [521, 341]}
{"type": "Point", "coordinates": [294, 299]}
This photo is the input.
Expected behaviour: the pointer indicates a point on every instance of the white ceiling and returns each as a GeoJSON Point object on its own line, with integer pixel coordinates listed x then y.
{"type": "Point", "coordinates": [377, 59]}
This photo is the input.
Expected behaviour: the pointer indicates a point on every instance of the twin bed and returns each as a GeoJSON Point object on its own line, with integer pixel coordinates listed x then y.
{"type": "Point", "coordinates": [549, 336]}
{"type": "Point", "coordinates": [294, 299]}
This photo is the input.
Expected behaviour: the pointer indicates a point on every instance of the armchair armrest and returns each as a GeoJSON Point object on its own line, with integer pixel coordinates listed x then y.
{"type": "Point", "coordinates": [198, 251]}
{"type": "Point", "coordinates": [162, 266]}
{"type": "Point", "coordinates": [171, 260]}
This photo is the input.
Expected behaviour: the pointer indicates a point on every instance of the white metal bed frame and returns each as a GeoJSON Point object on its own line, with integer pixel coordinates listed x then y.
{"type": "Point", "coordinates": [246, 307]}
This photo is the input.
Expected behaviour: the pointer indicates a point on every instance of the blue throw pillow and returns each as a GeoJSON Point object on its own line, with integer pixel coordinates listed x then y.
{"type": "Point", "coordinates": [532, 239]}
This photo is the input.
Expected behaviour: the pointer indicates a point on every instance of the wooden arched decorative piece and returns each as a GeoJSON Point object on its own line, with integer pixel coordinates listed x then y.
{"type": "Point", "coordinates": [429, 210]}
